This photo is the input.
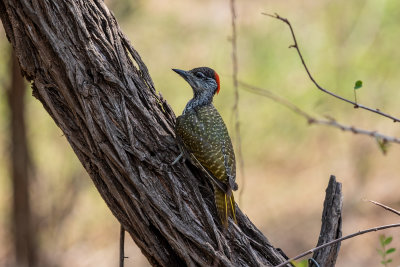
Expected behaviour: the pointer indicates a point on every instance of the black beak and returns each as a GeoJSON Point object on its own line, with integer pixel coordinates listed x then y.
{"type": "Point", "coordinates": [182, 73]}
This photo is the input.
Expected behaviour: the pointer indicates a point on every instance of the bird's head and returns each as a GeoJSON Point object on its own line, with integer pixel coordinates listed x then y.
{"type": "Point", "coordinates": [203, 80]}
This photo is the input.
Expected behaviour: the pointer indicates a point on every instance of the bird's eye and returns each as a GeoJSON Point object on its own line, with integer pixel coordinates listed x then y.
{"type": "Point", "coordinates": [199, 75]}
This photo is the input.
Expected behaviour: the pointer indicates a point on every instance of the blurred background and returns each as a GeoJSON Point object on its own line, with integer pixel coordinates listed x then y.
{"type": "Point", "coordinates": [287, 163]}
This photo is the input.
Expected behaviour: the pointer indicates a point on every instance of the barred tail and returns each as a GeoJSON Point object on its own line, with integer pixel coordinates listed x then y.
{"type": "Point", "coordinates": [225, 206]}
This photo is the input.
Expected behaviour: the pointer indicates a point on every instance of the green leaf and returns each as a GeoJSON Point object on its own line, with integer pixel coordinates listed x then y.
{"type": "Point", "coordinates": [383, 262]}
{"type": "Point", "coordinates": [389, 261]}
{"type": "Point", "coordinates": [358, 85]}
{"type": "Point", "coordinates": [381, 237]}
{"type": "Point", "coordinates": [388, 240]}
{"type": "Point", "coordinates": [302, 263]}
{"type": "Point", "coordinates": [390, 250]}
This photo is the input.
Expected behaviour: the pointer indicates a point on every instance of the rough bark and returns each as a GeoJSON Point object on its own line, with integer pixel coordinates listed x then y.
{"type": "Point", "coordinates": [23, 224]}
{"type": "Point", "coordinates": [95, 86]}
{"type": "Point", "coordinates": [331, 227]}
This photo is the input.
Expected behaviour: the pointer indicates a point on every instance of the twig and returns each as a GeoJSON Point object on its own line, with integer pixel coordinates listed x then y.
{"type": "Point", "coordinates": [121, 246]}
{"type": "Point", "coordinates": [355, 96]}
{"type": "Point", "coordinates": [312, 120]}
{"type": "Point", "coordinates": [296, 46]}
{"type": "Point", "coordinates": [354, 130]}
{"type": "Point", "coordinates": [385, 207]}
{"type": "Point", "coordinates": [276, 98]}
{"type": "Point", "coordinates": [236, 102]}
{"type": "Point", "coordinates": [339, 240]}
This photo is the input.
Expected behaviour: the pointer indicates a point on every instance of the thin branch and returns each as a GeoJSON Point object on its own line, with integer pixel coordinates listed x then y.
{"type": "Point", "coordinates": [354, 130]}
{"type": "Point", "coordinates": [312, 120]}
{"type": "Point", "coordinates": [236, 101]}
{"type": "Point", "coordinates": [385, 207]}
{"type": "Point", "coordinates": [296, 46]}
{"type": "Point", "coordinates": [277, 99]}
{"type": "Point", "coordinates": [339, 240]}
{"type": "Point", "coordinates": [121, 246]}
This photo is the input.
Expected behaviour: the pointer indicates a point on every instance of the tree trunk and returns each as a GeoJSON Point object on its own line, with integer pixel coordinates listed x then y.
{"type": "Point", "coordinates": [23, 224]}
{"type": "Point", "coordinates": [95, 86]}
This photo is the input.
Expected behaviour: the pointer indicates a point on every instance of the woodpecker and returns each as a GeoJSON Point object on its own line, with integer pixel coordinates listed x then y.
{"type": "Point", "coordinates": [205, 139]}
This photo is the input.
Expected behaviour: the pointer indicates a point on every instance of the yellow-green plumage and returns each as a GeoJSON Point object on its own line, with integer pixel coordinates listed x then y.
{"type": "Point", "coordinates": [204, 135]}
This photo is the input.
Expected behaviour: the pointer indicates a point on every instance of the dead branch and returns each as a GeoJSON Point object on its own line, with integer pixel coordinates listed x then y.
{"type": "Point", "coordinates": [331, 227]}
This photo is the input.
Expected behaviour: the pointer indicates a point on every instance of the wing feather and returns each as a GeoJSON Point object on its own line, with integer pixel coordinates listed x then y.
{"type": "Point", "coordinates": [204, 134]}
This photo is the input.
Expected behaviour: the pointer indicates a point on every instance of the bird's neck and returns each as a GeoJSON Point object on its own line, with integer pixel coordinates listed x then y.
{"type": "Point", "coordinates": [198, 100]}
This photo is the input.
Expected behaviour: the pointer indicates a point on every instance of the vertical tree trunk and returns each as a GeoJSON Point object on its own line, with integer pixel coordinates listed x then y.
{"type": "Point", "coordinates": [97, 89]}
{"type": "Point", "coordinates": [23, 234]}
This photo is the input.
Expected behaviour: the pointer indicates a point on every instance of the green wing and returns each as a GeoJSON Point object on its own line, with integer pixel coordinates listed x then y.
{"type": "Point", "coordinates": [204, 134]}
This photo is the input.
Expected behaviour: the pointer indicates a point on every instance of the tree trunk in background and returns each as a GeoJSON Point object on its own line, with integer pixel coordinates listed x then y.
{"type": "Point", "coordinates": [98, 91]}
{"type": "Point", "coordinates": [23, 232]}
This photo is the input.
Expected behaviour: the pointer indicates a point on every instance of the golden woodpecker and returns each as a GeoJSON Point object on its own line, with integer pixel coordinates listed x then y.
{"type": "Point", "coordinates": [204, 136]}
